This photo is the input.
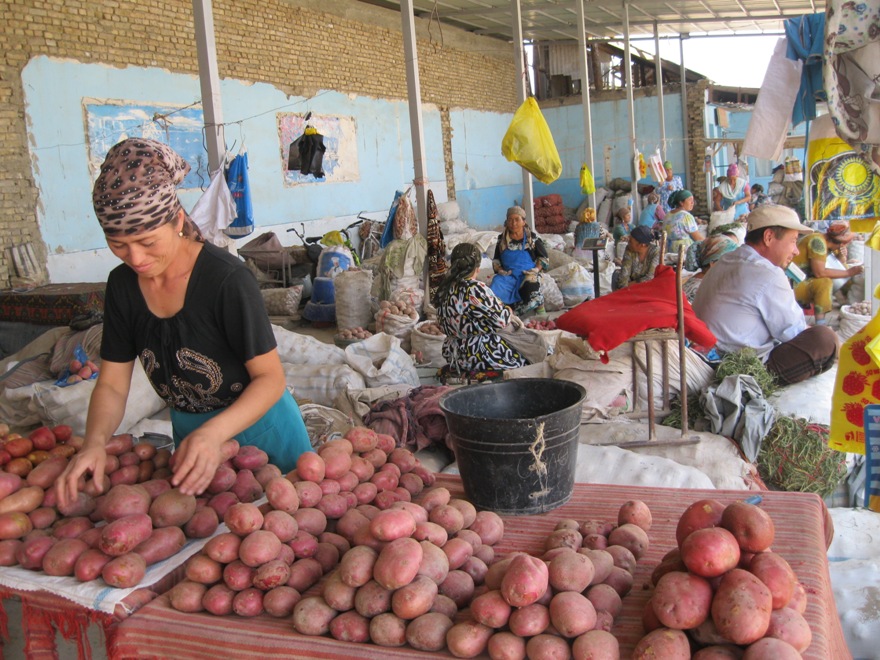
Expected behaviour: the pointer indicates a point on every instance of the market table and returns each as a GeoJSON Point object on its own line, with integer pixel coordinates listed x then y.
{"type": "Point", "coordinates": [802, 531]}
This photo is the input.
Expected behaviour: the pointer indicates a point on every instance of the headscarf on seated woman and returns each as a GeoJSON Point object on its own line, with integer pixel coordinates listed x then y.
{"type": "Point", "coordinates": [703, 253]}
{"type": "Point", "coordinates": [464, 260]}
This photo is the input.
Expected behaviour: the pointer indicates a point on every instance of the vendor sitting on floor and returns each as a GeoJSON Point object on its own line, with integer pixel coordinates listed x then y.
{"type": "Point", "coordinates": [470, 315]}
{"type": "Point", "coordinates": [520, 258]}
{"type": "Point", "coordinates": [701, 256]}
{"type": "Point", "coordinates": [747, 302]}
{"type": "Point", "coordinates": [639, 261]}
{"type": "Point", "coordinates": [822, 257]}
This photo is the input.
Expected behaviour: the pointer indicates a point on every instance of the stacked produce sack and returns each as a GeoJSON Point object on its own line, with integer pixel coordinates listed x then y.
{"type": "Point", "coordinates": [550, 215]}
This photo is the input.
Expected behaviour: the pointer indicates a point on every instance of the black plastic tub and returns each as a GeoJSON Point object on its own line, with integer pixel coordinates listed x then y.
{"type": "Point", "coordinates": [516, 442]}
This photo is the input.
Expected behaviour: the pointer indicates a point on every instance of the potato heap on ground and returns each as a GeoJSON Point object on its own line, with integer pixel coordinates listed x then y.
{"type": "Point", "coordinates": [146, 519]}
{"type": "Point", "coordinates": [563, 603]}
{"type": "Point", "coordinates": [350, 499]}
{"type": "Point", "coordinates": [431, 328]}
{"type": "Point", "coordinates": [398, 308]}
{"type": "Point", "coordinates": [354, 333]}
{"type": "Point", "coordinates": [724, 592]}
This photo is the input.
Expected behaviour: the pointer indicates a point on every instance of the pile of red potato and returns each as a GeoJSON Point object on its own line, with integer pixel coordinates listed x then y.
{"type": "Point", "coordinates": [536, 324]}
{"type": "Point", "coordinates": [146, 519]}
{"type": "Point", "coordinates": [724, 592]}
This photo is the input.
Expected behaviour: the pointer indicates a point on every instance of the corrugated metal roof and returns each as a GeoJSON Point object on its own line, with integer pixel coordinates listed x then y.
{"type": "Point", "coordinates": [556, 20]}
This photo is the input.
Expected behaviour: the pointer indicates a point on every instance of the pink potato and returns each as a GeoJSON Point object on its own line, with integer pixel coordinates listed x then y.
{"type": "Point", "coordinates": [774, 571]}
{"type": "Point", "coordinates": [671, 561]}
{"type": "Point", "coordinates": [259, 547]}
{"type": "Point", "coordinates": [682, 600]}
{"type": "Point", "coordinates": [602, 562]}
{"type": "Point", "coordinates": [304, 573]}
{"type": "Point", "coordinates": [572, 614]}
{"type": "Point", "coordinates": [798, 600]}
{"type": "Point", "coordinates": [595, 541]}
{"type": "Point", "coordinates": [362, 468]}
{"type": "Point", "coordinates": [223, 547]}
{"type": "Point", "coordinates": [750, 524]}
{"type": "Point", "coordinates": [89, 565]}
{"type": "Point", "coordinates": [596, 645]}
{"type": "Point", "coordinates": [563, 538]}
{"type": "Point", "coordinates": [218, 600]}
{"type": "Point", "coordinates": [203, 523]}
{"type": "Point", "coordinates": [468, 639]}
{"type": "Point", "coordinates": [46, 473]}
{"type": "Point", "coordinates": [414, 599]}
{"type": "Point", "coordinates": [246, 486]}
{"type": "Point", "coordinates": [327, 555]}
{"type": "Point", "coordinates": [280, 601]}
{"type": "Point", "coordinates": [372, 599]}
{"type": "Point", "coordinates": [770, 648]}
{"type": "Point", "coordinates": [311, 520]}
{"type": "Point", "coordinates": [60, 559]}
{"type": "Point", "coordinates": [70, 528]}
{"type": "Point", "coordinates": [274, 573]}
{"type": "Point", "coordinates": [172, 509]}
{"type": "Point", "coordinates": [310, 467]}
{"type": "Point", "coordinates": [491, 609]}
{"type": "Point", "coordinates": [429, 531]}
{"type": "Point", "coordinates": [548, 646]}
{"type": "Point", "coordinates": [459, 586]}
{"type": "Point", "coordinates": [361, 438]}
{"type": "Point", "coordinates": [635, 512]}
{"type": "Point", "coordinates": [350, 627]}
{"type": "Point", "coordinates": [398, 563]}
{"type": "Point", "coordinates": [8, 549]}
{"type": "Point", "coordinates": [303, 545]}
{"type": "Point", "coordinates": [457, 551]}
{"type": "Point", "coordinates": [337, 594]}
{"type": "Point", "coordinates": [790, 626]}
{"type": "Point", "coordinates": [187, 596]}
{"type": "Point", "coordinates": [248, 602]}
{"type": "Point", "coordinates": [622, 557]}
{"type": "Point", "coordinates": [741, 607]}
{"type": "Point", "coordinates": [243, 518]}
{"type": "Point", "coordinates": [337, 461]}
{"type": "Point", "coordinates": [356, 565]}
{"type": "Point", "coordinates": [333, 506]}
{"type": "Point", "coordinates": [250, 457]}
{"type": "Point", "coordinates": [14, 525]}
{"type": "Point", "coordinates": [30, 553]}
{"type": "Point", "coordinates": [570, 571]}
{"type": "Point", "coordinates": [486, 553]}
{"type": "Point", "coordinates": [223, 480]}
{"type": "Point", "coordinates": [282, 524]}
{"type": "Point", "coordinates": [266, 473]}
{"type": "Point", "coordinates": [505, 645]}
{"type": "Point", "coordinates": [124, 571]}
{"type": "Point", "coordinates": [83, 505]}
{"type": "Point", "coordinates": [127, 474]}
{"type": "Point", "coordinates": [435, 563]}
{"type": "Point", "coordinates": [699, 515]}
{"type": "Point", "coordinates": [621, 580]}
{"type": "Point", "coordinates": [161, 544]}
{"type": "Point", "coordinates": [154, 487]}
{"type": "Point", "coordinates": [222, 501]}
{"type": "Point", "coordinates": [412, 483]}
{"type": "Point", "coordinates": [476, 568]}
{"type": "Point", "coordinates": [204, 570]}
{"type": "Point", "coordinates": [663, 643]}
{"type": "Point", "coordinates": [435, 497]}
{"type": "Point", "coordinates": [9, 483]}
{"type": "Point", "coordinates": [124, 500]}
{"type": "Point", "coordinates": [393, 523]}
{"type": "Point", "coordinates": [605, 599]}
{"type": "Point", "coordinates": [428, 632]}
{"type": "Point", "coordinates": [525, 581]}
{"type": "Point", "coordinates": [719, 652]}
{"type": "Point", "coordinates": [529, 620]}
{"type": "Point", "coordinates": [388, 629]}
{"type": "Point", "coordinates": [238, 576]}
{"type": "Point", "coordinates": [282, 495]}
{"type": "Point", "coordinates": [710, 552]}
{"type": "Point", "coordinates": [124, 534]}
{"type": "Point", "coordinates": [337, 540]}
{"type": "Point", "coordinates": [632, 537]}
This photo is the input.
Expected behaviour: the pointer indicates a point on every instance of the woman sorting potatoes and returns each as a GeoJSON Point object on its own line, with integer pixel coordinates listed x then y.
{"type": "Point", "coordinates": [193, 315]}
{"type": "Point", "coordinates": [470, 315]}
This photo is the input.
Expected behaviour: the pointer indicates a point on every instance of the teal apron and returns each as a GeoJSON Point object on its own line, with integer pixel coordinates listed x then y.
{"type": "Point", "coordinates": [281, 432]}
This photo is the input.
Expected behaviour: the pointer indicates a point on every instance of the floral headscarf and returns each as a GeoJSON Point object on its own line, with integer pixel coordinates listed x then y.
{"type": "Point", "coordinates": [708, 251]}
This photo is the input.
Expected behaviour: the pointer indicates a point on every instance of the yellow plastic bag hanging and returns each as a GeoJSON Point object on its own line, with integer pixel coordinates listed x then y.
{"type": "Point", "coordinates": [529, 143]}
{"type": "Point", "coordinates": [856, 386]}
{"type": "Point", "coordinates": [588, 186]}
{"type": "Point", "coordinates": [643, 167]}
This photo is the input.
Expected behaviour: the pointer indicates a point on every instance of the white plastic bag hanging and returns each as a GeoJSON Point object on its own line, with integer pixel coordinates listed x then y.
{"type": "Point", "coordinates": [215, 210]}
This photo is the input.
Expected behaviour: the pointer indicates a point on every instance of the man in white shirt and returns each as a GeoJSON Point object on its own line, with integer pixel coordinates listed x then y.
{"type": "Point", "coordinates": [747, 301]}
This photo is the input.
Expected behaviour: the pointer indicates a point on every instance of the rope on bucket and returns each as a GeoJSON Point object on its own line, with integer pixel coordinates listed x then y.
{"type": "Point", "coordinates": [539, 466]}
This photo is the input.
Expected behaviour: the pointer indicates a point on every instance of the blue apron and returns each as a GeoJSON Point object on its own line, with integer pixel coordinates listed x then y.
{"type": "Point", "coordinates": [281, 432]}
{"type": "Point", "coordinates": [506, 287]}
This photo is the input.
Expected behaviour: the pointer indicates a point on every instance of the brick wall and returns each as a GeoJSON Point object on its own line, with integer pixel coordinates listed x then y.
{"type": "Point", "coordinates": [300, 46]}
{"type": "Point", "coordinates": [696, 107]}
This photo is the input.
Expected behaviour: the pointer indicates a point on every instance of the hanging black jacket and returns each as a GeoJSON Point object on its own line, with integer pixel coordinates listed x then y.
{"type": "Point", "coordinates": [307, 154]}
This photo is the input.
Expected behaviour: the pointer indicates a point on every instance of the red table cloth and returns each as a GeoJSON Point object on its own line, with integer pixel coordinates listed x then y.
{"type": "Point", "coordinates": [157, 631]}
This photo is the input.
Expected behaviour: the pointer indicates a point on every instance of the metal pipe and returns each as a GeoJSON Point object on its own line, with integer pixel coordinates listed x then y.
{"type": "Point", "coordinates": [528, 202]}
{"type": "Point", "coordinates": [414, 94]}
{"type": "Point", "coordinates": [585, 98]}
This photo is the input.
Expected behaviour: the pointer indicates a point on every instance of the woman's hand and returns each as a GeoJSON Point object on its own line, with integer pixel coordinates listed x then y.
{"type": "Point", "coordinates": [855, 270]}
{"type": "Point", "coordinates": [91, 459]}
{"type": "Point", "coordinates": [197, 459]}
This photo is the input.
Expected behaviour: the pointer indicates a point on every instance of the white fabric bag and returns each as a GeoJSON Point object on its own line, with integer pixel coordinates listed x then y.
{"type": "Point", "coordinates": [215, 210]}
{"type": "Point", "coordinates": [382, 361]}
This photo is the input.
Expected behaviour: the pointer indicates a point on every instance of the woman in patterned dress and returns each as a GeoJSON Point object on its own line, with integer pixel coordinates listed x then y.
{"type": "Point", "coordinates": [470, 315]}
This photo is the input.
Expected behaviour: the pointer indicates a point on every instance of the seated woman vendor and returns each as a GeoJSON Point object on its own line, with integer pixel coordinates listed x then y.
{"type": "Point", "coordinates": [470, 315]}
{"type": "Point", "coordinates": [700, 257]}
{"type": "Point", "coordinates": [519, 259]}
{"type": "Point", "coordinates": [193, 315]}
{"type": "Point", "coordinates": [639, 261]}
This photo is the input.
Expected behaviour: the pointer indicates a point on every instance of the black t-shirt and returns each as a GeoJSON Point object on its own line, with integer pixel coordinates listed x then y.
{"type": "Point", "coordinates": [195, 359]}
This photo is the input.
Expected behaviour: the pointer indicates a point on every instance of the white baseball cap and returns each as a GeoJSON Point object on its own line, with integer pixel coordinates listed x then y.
{"type": "Point", "coordinates": [774, 215]}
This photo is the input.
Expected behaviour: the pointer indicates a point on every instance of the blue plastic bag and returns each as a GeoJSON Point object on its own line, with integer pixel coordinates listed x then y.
{"type": "Point", "coordinates": [240, 187]}
{"type": "Point", "coordinates": [80, 355]}
{"type": "Point", "coordinates": [388, 234]}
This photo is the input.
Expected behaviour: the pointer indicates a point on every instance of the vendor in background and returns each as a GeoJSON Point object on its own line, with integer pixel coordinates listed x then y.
{"type": "Point", "coordinates": [639, 261]}
{"type": "Point", "coordinates": [700, 257]}
{"type": "Point", "coordinates": [732, 192]}
{"type": "Point", "coordinates": [652, 213]}
{"type": "Point", "coordinates": [193, 315]}
{"type": "Point", "coordinates": [622, 228]}
{"type": "Point", "coordinates": [671, 184]}
{"type": "Point", "coordinates": [815, 252]}
{"type": "Point", "coordinates": [759, 197]}
{"type": "Point", "coordinates": [470, 315]}
{"type": "Point", "coordinates": [747, 302]}
{"type": "Point", "coordinates": [520, 258]}
{"type": "Point", "coordinates": [680, 226]}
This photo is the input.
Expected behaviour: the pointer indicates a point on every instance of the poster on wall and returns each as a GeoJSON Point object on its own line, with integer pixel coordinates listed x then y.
{"type": "Point", "coordinates": [179, 126]}
{"type": "Point", "coordinates": [340, 161]}
{"type": "Point", "coordinates": [840, 184]}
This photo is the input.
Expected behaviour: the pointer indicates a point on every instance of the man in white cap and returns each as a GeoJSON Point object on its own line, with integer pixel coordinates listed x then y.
{"type": "Point", "coordinates": [747, 301]}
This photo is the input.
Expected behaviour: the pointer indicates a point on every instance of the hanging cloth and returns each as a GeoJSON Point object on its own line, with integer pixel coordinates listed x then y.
{"type": "Point", "coordinates": [215, 210]}
{"type": "Point", "coordinates": [240, 187]}
{"type": "Point", "coordinates": [806, 35]}
{"type": "Point", "coordinates": [306, 153]}
{"type": "Point", "coordinates": [436, 249]}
